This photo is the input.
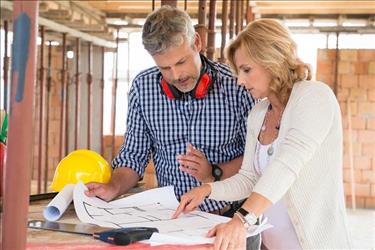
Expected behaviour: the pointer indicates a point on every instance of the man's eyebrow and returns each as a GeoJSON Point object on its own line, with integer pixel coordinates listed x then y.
{"type": "Point", "coordinates": [178, 62]}
{"type": "Point", "coordinates": [181, 60]}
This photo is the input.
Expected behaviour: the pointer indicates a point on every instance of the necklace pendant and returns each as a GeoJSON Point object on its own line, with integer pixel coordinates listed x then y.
{"type": "Point", "coordinates": [270, 150]}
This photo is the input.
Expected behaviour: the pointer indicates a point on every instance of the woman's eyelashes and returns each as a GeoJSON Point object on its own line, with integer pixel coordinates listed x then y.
{"type": "Point", "coordinates": [245, 69]}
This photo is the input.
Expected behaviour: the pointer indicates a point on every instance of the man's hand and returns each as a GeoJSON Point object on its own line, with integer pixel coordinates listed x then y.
{"type": "Point", "coordinates": [230, 235]}
{"type": "Point", "coordinates": [190, 200]}
{"type": "Point", "coordinates": [123, 179]}
{"type": "Point", "coordinates": [106, 192]}
{"type": "Point", "coordinates": [195, 163]}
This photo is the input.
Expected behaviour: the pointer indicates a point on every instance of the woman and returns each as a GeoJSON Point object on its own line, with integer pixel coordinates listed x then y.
{"type": "Point", "coordinates": [292, 168]}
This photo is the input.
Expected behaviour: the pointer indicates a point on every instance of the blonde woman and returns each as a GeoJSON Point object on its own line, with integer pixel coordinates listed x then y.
{"type": "Point", "coordinates": [292, 167]}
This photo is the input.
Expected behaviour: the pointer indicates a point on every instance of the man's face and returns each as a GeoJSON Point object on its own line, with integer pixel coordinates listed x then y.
{"type": "Point", "coordinates": [180, 66]}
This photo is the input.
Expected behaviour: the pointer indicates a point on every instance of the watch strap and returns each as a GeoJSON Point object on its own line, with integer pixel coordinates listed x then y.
{"type": "Point", "coordinates": [249, 217]}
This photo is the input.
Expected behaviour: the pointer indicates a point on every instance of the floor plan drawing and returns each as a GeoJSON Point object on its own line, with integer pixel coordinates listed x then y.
{"type": "Point", "coordinates": [151, 208]}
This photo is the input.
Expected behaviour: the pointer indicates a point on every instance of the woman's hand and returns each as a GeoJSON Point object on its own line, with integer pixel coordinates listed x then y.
{"type": "Point", "coordinates": [230, 235]}
{"type": "Point", "coordinates": [193, 198]}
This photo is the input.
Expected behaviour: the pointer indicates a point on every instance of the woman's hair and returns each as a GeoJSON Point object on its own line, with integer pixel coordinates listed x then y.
{"type": "Point", "coordinates": [167, 27]}
{"type": "Point", "coordinates": [269, 44]}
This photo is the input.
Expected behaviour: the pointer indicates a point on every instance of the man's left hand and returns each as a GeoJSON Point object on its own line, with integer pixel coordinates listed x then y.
{"type": "Point", "coordinates": [195, 163]}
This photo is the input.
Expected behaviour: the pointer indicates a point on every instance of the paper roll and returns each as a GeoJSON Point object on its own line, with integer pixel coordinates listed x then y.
{"type": "Point", "coordinates": [56, 208]}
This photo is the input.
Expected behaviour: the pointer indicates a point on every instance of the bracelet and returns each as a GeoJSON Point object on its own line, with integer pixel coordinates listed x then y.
{"type": "Point", "coordinates": [242, 219]}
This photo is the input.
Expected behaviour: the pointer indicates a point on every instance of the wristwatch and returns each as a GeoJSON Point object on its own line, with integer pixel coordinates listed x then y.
{"type": "Point", "coordinates": [249, 218]}
{"type": "Point", "coordinates": [217, 172]}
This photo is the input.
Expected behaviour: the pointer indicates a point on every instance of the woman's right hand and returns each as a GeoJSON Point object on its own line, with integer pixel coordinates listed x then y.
{"type": "Point", "coordinates": [193, 198]}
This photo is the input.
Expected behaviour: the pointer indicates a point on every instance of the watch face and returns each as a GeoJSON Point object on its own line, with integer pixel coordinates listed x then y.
{"type": "Point", "coordinates": [251, 218]}
{"type": "Point", "coordinates": [218, 172]}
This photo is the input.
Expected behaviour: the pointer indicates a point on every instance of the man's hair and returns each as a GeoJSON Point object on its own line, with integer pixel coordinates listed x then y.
{"type": "Point", "coordinates": [167, 27]}
{"type": "Point", "coordinates": [269, 44]}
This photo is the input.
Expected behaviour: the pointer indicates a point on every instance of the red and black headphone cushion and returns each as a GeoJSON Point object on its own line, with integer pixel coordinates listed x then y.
{"type": "Point", "coordinates": [203, 86]}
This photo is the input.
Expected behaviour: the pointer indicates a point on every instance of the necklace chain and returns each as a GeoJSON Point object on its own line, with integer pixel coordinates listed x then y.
{"type": "Point", "coordinates": [270, 150]}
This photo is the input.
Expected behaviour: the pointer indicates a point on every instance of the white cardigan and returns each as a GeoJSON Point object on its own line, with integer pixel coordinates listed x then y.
{"type": "Point", "coordinates": [306, 171]}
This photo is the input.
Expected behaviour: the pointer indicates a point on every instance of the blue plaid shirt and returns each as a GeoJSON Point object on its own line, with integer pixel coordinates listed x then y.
{"type": "Point", "coordinates": [160, 128]}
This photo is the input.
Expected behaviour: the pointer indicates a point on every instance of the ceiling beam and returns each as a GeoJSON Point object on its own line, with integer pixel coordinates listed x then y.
{"type": "Point", "coordinates": [64, 29]}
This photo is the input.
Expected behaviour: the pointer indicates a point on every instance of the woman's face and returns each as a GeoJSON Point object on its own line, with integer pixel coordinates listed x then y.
{"type": "Point", "coordinates": [255, 78]}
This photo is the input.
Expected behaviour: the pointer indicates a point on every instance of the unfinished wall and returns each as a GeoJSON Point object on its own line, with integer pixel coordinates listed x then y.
{"type": "Point", "coordinates": [149, 179]}
{"type": "Point", "coordinates": [55, 104]}
{"type": "Point", "coordinates": [356, 95]}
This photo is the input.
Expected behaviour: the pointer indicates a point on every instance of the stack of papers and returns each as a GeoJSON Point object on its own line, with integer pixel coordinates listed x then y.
{"type": "Point", "coordinates": [152, 208]}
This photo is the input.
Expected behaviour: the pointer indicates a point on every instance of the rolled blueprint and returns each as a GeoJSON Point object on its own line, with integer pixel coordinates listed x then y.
{"type": "Point", "coordinates": [59, 204]}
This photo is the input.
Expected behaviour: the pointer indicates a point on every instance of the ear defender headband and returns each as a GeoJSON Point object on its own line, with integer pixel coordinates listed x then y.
{"type": "Point", "coordinates": [200, 90]}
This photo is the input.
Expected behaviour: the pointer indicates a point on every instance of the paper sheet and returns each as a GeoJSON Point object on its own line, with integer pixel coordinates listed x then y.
{"type": "Point", "coordinates": [59, 204]}
{"type": "Point", "coordinates": [152, 208]}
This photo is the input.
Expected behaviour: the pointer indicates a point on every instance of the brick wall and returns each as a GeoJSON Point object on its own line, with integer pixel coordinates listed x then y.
{"type": "Point", "coordinates": [54, 109]}
{"type": "Point", "coordinates": [356, 95]}
{"type": "Point", "coordinates": [53, 117]}
{"type": "Point", "coordinates": [149, 178]}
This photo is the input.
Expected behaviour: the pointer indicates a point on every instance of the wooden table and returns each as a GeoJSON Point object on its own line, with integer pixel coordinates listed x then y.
{"type": "Point", "coordinates": [51, 240]}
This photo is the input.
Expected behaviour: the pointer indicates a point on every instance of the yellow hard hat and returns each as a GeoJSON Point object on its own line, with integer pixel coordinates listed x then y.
{"type": "Point", "coordinates": [81, 165]}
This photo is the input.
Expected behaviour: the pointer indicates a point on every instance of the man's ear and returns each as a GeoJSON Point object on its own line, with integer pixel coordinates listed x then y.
{"type": "Point", "coordinates": [197, 42]}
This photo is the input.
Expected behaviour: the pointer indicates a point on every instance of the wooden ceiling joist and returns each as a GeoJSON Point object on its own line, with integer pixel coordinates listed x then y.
{"type": "Point", "coordinates": [65, 29]}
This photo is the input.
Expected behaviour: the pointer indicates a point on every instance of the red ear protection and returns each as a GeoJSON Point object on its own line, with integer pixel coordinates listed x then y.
{"type": "Point", "coordinates": [199, 92]}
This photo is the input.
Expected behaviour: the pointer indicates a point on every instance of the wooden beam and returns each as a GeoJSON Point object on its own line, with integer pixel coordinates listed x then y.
{"type": "Point", "coordinates": [20, 137]}
{"type": "Point", "coordinates": [64, 29]}
{"type": "Point", "coordinates": [314, 7]}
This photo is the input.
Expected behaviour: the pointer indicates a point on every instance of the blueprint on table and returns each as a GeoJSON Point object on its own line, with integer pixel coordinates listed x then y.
{"type": "Point", "coordinates": [151, 208]}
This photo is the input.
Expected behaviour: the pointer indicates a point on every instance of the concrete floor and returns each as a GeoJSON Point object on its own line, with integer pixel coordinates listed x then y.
{"type": "Point", "coordinates": [362, 228]}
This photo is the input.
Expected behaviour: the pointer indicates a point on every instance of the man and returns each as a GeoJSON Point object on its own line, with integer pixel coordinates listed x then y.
{"type": "Point", "coordinates": [187, 113]}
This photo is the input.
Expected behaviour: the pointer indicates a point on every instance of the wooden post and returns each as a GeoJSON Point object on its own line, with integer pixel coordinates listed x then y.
{"type": "Point", "coordinates": [224, 18]}
{"type": "Point", "coordinates": [335, 83]}
{"type": "Point", "coordinates": [20, 133]}
{"type": "Point", "coordinates": [249, 13]}
{"type": "Point", "coordinates": [89, 95]}
{"type": "Point", "coordinates": [242, 14]}
{"type": "Point", "coordinates": [102, 105]}
{"type": "Point", "coordinates": [77, 102]}
{"type": "Point", "coordinates": [63, 98]}
{"type": "Point", "coordinates": [172, 3]}
{"type": "Point", "coordinates": [232, 17]}
{"type": "Point", "coordinates": [201, 26]}
{"type": "Point", "coordinates": [49, 83]}
{"type": "Point", "coordinates": [41, 110]}
{"type": "Point", "coordinates": [238, 16]}
{"type": "Point", "coordinates": [67, 113]}
{"type": "Point", "coordinates": [114, 95]}
{"type": "Point", "coordinates": [211, 30]}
